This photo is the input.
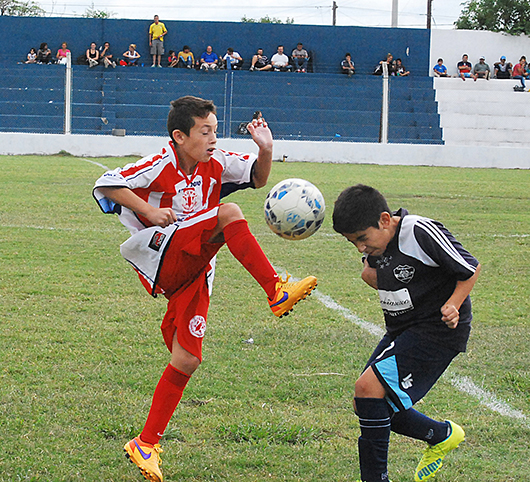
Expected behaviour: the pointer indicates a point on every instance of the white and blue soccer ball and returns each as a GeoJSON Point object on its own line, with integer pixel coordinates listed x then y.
{"type": "Point", "coordinates": [294, 209]}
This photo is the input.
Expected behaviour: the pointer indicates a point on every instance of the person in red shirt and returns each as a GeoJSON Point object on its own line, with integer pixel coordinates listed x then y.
{"type": "Point", "coordinates": [520, 71]}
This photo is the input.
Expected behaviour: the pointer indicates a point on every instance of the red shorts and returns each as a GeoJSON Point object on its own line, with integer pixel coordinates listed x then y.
{"type": "Point", "coordinates": [183, 278]}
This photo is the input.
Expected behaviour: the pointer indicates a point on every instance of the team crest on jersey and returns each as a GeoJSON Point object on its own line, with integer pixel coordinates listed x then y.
{"type": "Point", "coordinates": [189, 199]}
{"type": "Point", "coordinates": [404, 273]}
{"type": "Point", "coordinates": [197, 326]}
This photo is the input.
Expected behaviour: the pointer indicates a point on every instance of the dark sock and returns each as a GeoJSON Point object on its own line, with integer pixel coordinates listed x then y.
{"type": "Point", "coordinates": [416, 425]}
{"type": "Point", "coordinates": [374, 420]}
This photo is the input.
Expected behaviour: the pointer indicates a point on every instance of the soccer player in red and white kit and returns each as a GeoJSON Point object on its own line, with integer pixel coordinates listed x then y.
{"type": "Point", "coordinates": [170, 202]}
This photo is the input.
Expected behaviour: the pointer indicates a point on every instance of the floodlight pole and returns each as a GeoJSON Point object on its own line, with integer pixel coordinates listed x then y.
{"type": "Point", "coordinates": [429, 14]}
{"type": "Point", "coordinates": [68, 95]}
{"type": "Point", "coordinates": [334, 8]}
{"type": "Point", "coordinates": [394, 13]}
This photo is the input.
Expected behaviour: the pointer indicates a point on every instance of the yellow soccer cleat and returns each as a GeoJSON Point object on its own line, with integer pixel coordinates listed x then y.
{"type": "Point", "coordinates": [433, 456]}
{"type": "Point", "coordinates": [146, 457]}
{"type": "Point", "coordinates": [288, 294]}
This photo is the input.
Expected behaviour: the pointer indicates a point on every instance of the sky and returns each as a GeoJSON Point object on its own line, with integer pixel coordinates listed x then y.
{"type": "Point", "coordinates": [363, 13]}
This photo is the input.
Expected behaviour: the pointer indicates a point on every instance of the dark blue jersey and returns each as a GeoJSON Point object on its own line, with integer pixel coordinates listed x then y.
{"type": "Point", "coordinates": [417, 274]}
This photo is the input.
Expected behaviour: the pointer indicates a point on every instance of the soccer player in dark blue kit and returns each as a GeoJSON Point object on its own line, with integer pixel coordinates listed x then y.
{"type": "Point", "coordinates": [424, 277]}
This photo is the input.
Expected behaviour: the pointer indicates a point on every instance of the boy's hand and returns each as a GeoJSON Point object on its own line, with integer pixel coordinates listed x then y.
{"type": "Point", "coordinates": [162, 217]}
{"type": "Point", "coordinates": [450, 315]}
{"type": "Point", "coordinates": [260, 132]}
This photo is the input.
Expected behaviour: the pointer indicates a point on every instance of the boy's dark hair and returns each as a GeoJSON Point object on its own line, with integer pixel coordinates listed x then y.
{"type": "Point", "coordinates": [230, 49]}
{"type": "Point", "coordinates": [358, 208]}
{"type": "Point", "coordinates": [183, 111]}
{"type": "Point", "coordinates": [440, 59]}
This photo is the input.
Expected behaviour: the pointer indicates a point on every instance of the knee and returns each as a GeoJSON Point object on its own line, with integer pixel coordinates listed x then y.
{"type": "Point", "coordinates": [362, 389]}
{"type": "Point", "coordinates": [229, 213]}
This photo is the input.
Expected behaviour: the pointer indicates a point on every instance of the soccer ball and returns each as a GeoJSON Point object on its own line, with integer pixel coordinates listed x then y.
{"type": "Point", "coordinates": [294, 209]}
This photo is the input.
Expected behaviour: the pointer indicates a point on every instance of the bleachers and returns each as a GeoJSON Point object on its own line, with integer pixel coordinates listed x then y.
{"type": "Point", "coordinates": [297, 106]}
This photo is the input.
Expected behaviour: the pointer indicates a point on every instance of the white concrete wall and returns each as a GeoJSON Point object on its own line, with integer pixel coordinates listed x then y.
{"type": "Point", "coordinates": [452, 44]}
{"type": "Point", "coordinates": [333, 152]}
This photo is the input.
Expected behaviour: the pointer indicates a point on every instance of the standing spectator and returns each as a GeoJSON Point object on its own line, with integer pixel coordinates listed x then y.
{"type": "Point", "coordinates": [185, 58]}
{"type": "Point", "coordinates": [131, 56]}
{"type": "Point", "coordinates": [260, 61]}
{"type": "Point", "coordinates": [464, 68]}
{"type": "Point", "coordinates": [61, 53]}
{"type": "Point", "coordinates": [44, 54]}
{"type": "Point", "coordinates": [232, 60]}
{"type": "Point", "coordinates": [105, 55]}
{"type": "Point", "coordinates": [157, 30]}
{"type": "Point", "coordinates": [172, 59]}
{"type": "Point", "coordinates": [280, 61]}
{"type": "Point", "coordinates": [440, 70]}
{"type": "Point", "coordinates": [300, 58]}
{"type": "Point", "coordinates": [31, 57]}
{"type": "Point", "coordinates": [520, 71]}
{"type": "Point", "coordinates": [92, 55]}
{"type": "Point", "coordinates": [347, 65]}
{"type": "Point", "coordinates": [209, 59]}
{"type": "Point", "coordinates": [502, 69]}
{"type": "Point", "coordinates": [401, 71]}
{"type": "Point", "coordinates": [482, 69]}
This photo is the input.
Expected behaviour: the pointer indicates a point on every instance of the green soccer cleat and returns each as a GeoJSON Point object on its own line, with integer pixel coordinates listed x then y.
{"type": "Point", "coordinates": [432, 459]}
{"type": "Point", "coordinates": [146, 457]}
{"type": "Point", "coordinates": [288, 294]}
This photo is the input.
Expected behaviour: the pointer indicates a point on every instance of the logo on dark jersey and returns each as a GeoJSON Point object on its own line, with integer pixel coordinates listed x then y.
{"type": "Point", "coordinates": [157, 240]}
{"type": "Point", "coordinates": [404, 273]}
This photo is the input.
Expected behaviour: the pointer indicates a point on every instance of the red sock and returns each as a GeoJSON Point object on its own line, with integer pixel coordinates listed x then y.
{"type": "Point", "coordinates": [167, 396]}
{"type": "Point", "coordinates": [243, 245]}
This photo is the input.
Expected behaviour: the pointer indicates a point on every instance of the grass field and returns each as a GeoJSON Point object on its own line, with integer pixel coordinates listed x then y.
{"type": "Point", "coordinates": [81, 350]}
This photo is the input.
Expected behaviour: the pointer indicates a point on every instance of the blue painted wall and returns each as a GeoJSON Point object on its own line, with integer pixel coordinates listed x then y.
{"type": "Point", "coordinates": [367, 45]}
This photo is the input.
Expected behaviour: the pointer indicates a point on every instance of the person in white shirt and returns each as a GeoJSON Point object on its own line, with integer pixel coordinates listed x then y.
{"type": "Point", "coordinates": [232, 60]}
{"type": "Point", "coordinates": [280, 61]}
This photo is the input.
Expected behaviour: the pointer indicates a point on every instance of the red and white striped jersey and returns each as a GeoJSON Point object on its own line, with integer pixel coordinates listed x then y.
{"type": "Point", "coordinates": [158, 180]}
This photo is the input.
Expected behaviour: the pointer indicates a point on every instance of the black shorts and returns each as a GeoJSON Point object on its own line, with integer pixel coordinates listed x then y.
{"type": "Point", "coordinates": [408, 366]}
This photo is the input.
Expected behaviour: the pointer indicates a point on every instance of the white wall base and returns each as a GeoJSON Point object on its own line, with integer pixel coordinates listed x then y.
{"type": "Point", "coordinates": [334, 152]}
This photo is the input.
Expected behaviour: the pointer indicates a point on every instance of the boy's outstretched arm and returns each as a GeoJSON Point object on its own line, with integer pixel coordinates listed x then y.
{"type": "Point", "coordinates": [262, 136]}
{"type": "Point", "coordinates": [125, 197]}
{"type": "Point", "coordinates": [450, 313]}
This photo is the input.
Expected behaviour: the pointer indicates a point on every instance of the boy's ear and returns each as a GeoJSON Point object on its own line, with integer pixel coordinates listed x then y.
{"type": "Point", "coordinates": [178, 136]}
{"type": "Point", "coordinates": [384, 219]}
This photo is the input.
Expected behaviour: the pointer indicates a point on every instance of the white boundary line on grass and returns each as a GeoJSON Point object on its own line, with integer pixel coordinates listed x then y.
{"type": "Point", "coordinates": [462, 383]}
{"type": "Point", "coordinates": [94, 162]}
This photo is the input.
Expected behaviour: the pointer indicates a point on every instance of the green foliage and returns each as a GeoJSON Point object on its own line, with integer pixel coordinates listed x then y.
{"type": "Point", "coordinates": [92, 12]}
{"type": "Point", "coordinates": [510, 16]}
{"type": "Point", "coordinates": [81, 349]}
{"type": "Point", "coordinates": [18, 8]}
{"type": "Point", "coordinates": [266, 19]}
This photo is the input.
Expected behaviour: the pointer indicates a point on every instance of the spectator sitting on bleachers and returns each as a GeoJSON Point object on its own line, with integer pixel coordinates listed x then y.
{"type": "Point", "coordinates": [185, 58]}
{"type": "Point", "coordinates": [300, 57]}
{"type": "Point", "coordinates": [502, 69]}
{"type": "Point", "coordinates": [401, 71]}
{"type": "Point", "coordinates": [44, 54]}
{"type": "Point", "coordinates": [520, 71]}
{"type": "Point", "coordinates": [61, 53]}
{"type": "Point", "coordinates": [232, 60]}
{"type": "Point", "coordinates": [31, 57]}
{"type": "Point", "coordinates": [390, 64]}
{"type": "Point", "coordinates": [482, 69]}
{"type": "Point", "coordinates": [131, 56]}
{"type": "Point", "coordinates": [209, 59]}
{"type": "Point", "coordinates": [92, 55]}
{"type": "Point", "coordinates": [172, 59]}
{"type": "Point", "coordinates": [105, 56]}
{"type": "Point", "coordinates": [260, 61]}
{"type": "Point", "coordinates": [440, 70]}
{"type": "Point", "coordinates": [280, 61]}
{"type": "Point", "coordinates": [347, 65]}
{"type": "Point", "coordinates": [464, 68]}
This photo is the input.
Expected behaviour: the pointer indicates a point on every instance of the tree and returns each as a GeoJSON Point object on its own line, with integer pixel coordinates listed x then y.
{"type": "Point", "coordinates": [510, 16]}
{"type": "Point", "coordinates": [266, 19]}
{"type": "Point", "coordinates": [18, 8]}
{"type": "Point", "coordinates": [92, 12]}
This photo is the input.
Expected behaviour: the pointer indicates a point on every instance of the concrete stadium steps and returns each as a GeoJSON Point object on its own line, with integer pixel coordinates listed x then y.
{"type": "Point", "coordinates": [483, 113]}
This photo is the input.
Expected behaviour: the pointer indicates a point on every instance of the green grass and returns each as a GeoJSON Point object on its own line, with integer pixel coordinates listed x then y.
{"type": "Point", "coordinates": [81, 350]}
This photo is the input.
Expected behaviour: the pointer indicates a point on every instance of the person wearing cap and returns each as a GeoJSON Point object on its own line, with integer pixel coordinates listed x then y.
{"type": "Point", "coordinates": [503, 69]}
{"type": "Point", "coordinates": [482, 69]}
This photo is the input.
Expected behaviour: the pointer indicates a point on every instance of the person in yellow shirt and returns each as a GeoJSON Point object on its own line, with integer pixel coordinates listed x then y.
{"type": "Point", "coordinates": [157, 30]}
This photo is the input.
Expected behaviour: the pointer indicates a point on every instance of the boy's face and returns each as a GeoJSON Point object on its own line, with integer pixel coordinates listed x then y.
{"type": "Point", "coordinates": [200, 144]}
{"type": "Point", "coordinates": [373, 241]}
